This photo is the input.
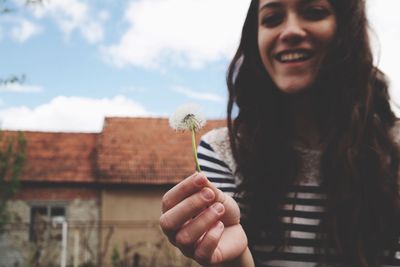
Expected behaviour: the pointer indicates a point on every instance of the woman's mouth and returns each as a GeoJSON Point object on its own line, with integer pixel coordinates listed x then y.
{"type": "Point", "coordinates": [293, 56]}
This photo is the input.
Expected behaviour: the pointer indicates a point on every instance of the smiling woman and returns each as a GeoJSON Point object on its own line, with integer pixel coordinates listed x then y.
{"type": "Point", "coordinates": [293, 39]}
{"type": "Point", "coordinates": [311, 156]}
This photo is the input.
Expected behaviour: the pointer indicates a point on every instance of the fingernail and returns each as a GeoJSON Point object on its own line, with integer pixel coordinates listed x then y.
{"type": "Point", "coordinates": [207, 193]}
{"type": "Point", "coordinates": [199, 180]}
{"type": "Point", "coordinates": [218, 207]}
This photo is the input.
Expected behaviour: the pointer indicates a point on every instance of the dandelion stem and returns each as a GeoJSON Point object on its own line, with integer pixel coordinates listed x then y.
{"type": "Point", "coordinates": [194, 149]}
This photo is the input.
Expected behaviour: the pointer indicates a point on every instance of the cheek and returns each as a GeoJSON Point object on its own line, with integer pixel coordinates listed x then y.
{"type": "Point", "coordinates": [261, 48]}
{"type": "Point", "coordinates": [264, 48]}
{"type": "Point", "coordinates": [327, 32]}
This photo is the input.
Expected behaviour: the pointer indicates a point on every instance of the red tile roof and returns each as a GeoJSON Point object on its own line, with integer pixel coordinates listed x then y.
{"type": "Point", "coordinates": [58, 157]}
{"type": "Point", "coordinates": [145, 151]}
{"type": "Point", "coordinates": [128, 150]}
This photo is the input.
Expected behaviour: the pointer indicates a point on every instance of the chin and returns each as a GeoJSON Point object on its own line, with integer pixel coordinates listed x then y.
{"type": "Point", "coordinates": [294, 88]}
{"type": "Point", "coordinates": [294, 85]}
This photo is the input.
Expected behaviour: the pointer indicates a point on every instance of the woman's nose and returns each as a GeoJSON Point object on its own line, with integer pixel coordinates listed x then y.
{"type": "Point", "coordinates": [293, 30]}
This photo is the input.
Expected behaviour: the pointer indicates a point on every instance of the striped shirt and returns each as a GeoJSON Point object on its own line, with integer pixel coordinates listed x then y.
{"type": "Point", "coordinates": [302, 210]}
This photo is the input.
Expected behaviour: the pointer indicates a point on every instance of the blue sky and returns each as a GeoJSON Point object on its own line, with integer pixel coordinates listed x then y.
{"type": "Point", "coordinates": [84, 60]}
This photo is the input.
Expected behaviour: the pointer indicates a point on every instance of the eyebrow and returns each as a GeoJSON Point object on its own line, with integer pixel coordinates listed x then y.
{"type": "Point", "coordinates": [270, 5]}
{"type": "Point", "coordinates": [276, 4]}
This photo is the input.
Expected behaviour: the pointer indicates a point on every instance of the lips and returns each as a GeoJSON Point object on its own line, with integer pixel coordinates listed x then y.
{"type": "Point", "coordinates": [298, 55]}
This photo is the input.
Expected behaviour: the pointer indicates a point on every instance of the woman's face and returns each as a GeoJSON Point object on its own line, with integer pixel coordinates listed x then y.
{"type": "Point", "coordinates": [293, 39]}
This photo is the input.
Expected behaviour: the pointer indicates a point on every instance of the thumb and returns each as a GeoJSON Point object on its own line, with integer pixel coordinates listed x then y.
{"type": "Point", "coordinates": [232, 211]}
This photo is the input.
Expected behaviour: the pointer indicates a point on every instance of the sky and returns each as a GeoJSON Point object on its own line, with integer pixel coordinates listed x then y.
{"type": "Point", "coordinates": [86, 59]}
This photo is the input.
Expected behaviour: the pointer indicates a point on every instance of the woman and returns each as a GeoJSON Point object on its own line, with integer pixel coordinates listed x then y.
{"type": "Point", "coordinates": [310, 156]}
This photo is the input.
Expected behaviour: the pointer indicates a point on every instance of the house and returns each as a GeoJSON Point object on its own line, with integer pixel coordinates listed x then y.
{"type": "Point", "coordinates": [93, 199]}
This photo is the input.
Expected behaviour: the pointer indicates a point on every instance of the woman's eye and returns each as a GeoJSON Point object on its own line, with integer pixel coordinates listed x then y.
{"type": "Point", "coordinates": [316, 13]}
{"type": "Point", "coordinates": [271, 20]}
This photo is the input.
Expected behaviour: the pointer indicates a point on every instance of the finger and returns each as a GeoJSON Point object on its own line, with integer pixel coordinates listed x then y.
{"type": "Point", "coordinates": [232, 214]}
{"type": "Point", "coordinates": [231, 244]}
{"type": "Point", "coordinates": [220, 196]}
{"type": "Point", "coordinates": [191, 232]}
{"type": "Point", "coordinates": [190, 207]}
{"type": "Point", "coordinates": [206, 252]}
{"type": "Point", "coordinates": [184, 189]}
{"type": "Point", "coordinates": [171, 235]}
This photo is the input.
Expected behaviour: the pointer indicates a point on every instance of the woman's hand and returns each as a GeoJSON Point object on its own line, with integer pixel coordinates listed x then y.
{"type": "Point", "coordinates": [203, 222]}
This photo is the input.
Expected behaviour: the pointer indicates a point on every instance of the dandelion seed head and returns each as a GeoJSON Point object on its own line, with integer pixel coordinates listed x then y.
{"type": "Point", "coordinates": [187, 117]}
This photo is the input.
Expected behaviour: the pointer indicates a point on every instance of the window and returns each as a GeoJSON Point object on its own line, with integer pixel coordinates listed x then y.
{"type": "Point", "coordinates": [41, 219]}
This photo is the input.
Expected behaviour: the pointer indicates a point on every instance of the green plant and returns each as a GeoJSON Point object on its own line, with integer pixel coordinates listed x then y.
{"type": "Point", "coordinates": [12, 159]}
{"type": "Point", "coordinates": [116, 258]}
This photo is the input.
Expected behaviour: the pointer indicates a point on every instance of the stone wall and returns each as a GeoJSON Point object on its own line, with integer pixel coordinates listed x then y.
{"type": "Point", "coordinates": [82, 217]}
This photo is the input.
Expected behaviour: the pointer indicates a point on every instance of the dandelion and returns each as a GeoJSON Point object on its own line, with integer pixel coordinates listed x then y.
{"type": "Point", "coordinates": [188, 118]}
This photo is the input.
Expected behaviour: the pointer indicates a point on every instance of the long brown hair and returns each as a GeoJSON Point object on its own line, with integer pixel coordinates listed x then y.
{"type": "Point", "coordinates": [359, 163]}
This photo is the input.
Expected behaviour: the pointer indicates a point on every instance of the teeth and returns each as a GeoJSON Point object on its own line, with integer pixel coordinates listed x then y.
{"type": "Point", "coordinates": [293, 56]}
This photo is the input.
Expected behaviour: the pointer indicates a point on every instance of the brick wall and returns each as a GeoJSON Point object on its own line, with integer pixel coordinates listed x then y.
{"type": "Point", "coordinates": [56, 192]}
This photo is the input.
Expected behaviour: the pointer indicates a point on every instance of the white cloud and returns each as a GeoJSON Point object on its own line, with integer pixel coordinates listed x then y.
{"type": "Point", "coordinates": [20, 88]}
{"type": "Point", "coordinates": [384, 21]}
{"type": "Point", "coordinates": [69, 114]}
{"type": "Point", "coordinates": [93, 32]}
{"type": "Point", "coordinates": [24, 30]}
{"type": "Point", "coordinates": [74, 15]}
{"type": "Point", "coordinates": [197, 95]}
{"type": "Point", "coordinates": [178, 32]}
{"type": "Point", "coordinates": [396, 109]}
{"type": "Point", "coordinates": [103, 15]}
